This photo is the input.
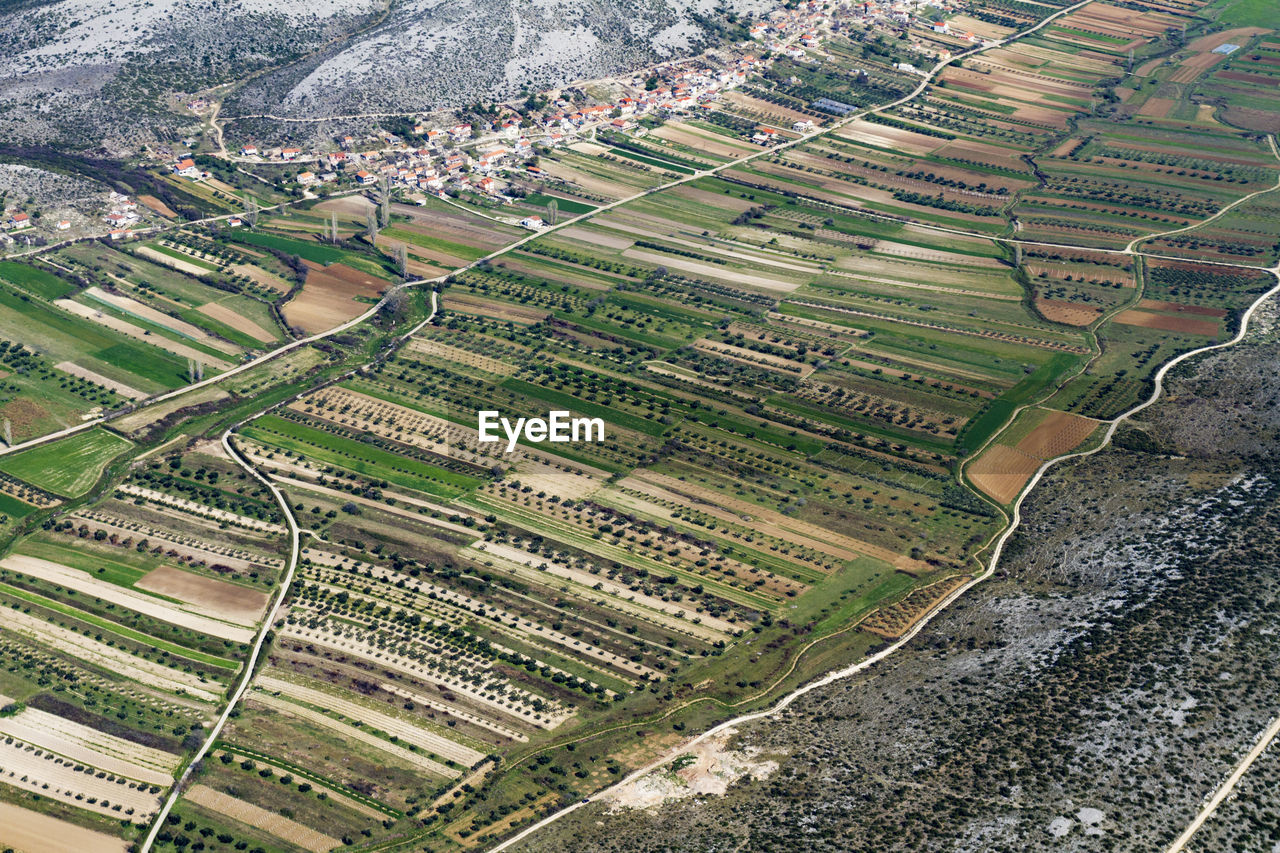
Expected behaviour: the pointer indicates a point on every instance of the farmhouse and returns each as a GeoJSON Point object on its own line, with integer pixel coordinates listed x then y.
{"type": "Point", "coordinates": [249, 151]}
{"type": "Point", "coordinates": [306, 178]}
{"type": "Point", "coordinates": [290, 153]}
{"type": "Point", "coordinates": [365, 177]}
{"type": "Point", "coordinates": [63, 224]}
{"type": "Point", "coordinates": [532, 222]}
{"type": "Point", "coordinates": [19, 220]}
{"type": "Point", "coordinates": [187, 168]}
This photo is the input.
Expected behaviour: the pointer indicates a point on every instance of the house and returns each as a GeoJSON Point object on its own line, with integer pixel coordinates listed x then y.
{"type": "Point", "coordinates": [116, 218]}
{"type": "Point", "coordinates": [365, 178]}
{"type": "Point", "coordinates": [488, 159]}
{"type": "Point", "coordinates": [802, 126]}
{"type": "Point", "coordinates": [328, 177]}
{"type": "Point", "coordinates": [765, 136]}
{"type": "Point", "coordinates": [117, 234]}
{"type": "Point", "coordinates": [487, 185]}
{"type": "Point", "coordinates": [63, 224]}
{"type": "Point", "coordinates": [20, 220]}
{"type": "Point", "coordinates": [533, 223]}
{"type": "Point", "coordinates": [460, 132]}
{"type": "Point", "coordinates": [234, 222]}
{"type": "Point", "coordinates": [942, 28]}
{"type": "Point", "coordinates": [306, 178]}
{"type": "Point", "coordinates": [346, 141]}
{"type": "Point", "coordinates": [290, 153]}
{"type": "Point", "coordinates": [249, 151]}
{"type": "Point", "coordinates": [187, 168]}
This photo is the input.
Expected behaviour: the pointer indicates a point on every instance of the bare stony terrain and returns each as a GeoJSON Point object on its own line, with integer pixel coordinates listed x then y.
{"type": "Point", "coordinates": [85, 75]}
{"type": "Point", "coordinates": [1088, 698]}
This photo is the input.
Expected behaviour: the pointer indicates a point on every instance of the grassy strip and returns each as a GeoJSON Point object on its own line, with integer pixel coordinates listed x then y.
{"type": "Point", "coordinates": [979, 430]}
{"type": "Point", "coordinates": [360, 457]}
{"type": "Point", "coordinates": [68, 467]}
{"type": "Point", "coordinates": [120, 630]}
{"type": "Point", "coordinates": [568, 401]}
{"type": "Point", "coordinates": [46, 285]}
{"type": "Point", "coordinates": [182, 256]}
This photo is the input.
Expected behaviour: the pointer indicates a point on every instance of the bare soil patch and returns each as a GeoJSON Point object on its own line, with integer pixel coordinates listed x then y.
{"type": "Point", "coordinates": [261, 277]}
{"type": "Point", "coordinates": [239, 322]}
{"type": "Point", "coordinates": [1058, 433]}
{"type": "Point", "coordinates": [158, 206]}
{"type": "Point", "coordinates": [24, 829]}
{"type": "Point", "coordinates": [218, 598]}
{"type": "Point", "coordinates": [1182, 307]}
{"type": "Point", "coordinates": [170, 261]}
{"type": "Point", "coordinates": [98, 379]}
{"type": "Point", "coordinates": [328, 298]}
{"type": "Point", "coordinates": [1002, 471]}
{"type": "Point", "coordinates": [1059, 311]}
{"type": "Point", "coordinates": [1149, 320]}
{"type": "Point", "coordinates": [488, 308]}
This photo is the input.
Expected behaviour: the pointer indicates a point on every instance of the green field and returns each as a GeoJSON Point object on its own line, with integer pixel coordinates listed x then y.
{"type": "Point", "coordinates": [307, 249]}
{"type": "Point", "coordinates": [358, 456]}
{"type": "Point", "coordinates": [565, 205]}
{"type": "Point", "coordinates": [68, 467]}
{"type": "Point", "coordinates": [34, 280]}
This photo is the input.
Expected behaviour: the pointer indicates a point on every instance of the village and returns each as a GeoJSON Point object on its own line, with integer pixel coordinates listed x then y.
{"type": "Point", "coordinates": [448, 156]}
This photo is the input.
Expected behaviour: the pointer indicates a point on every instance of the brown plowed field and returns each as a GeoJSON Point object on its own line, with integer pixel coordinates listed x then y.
{"type": "Point", "coordinates": [1058, 433]}
{"type": "Point", "coordinates": [329, 297]}
{"type": "Point", "coordinates": [1070, 313]}
{"type": "Point", "coordinates": [1182, 308]}
{"type": "Point", "coordinates": [239, 322]}
{"type": "Point", "coordinates": [217, 598]}
{"type": "Point", "coordinates": [1148, 320]}
{"type": "Point", "coordinates": [24, 829]}
{"type": "Point", "coordinates": [1001, 472]}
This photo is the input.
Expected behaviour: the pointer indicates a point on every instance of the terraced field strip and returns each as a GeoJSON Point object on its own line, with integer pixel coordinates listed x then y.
{"type": "Point", "coordinates": [454, 606]}
{"type": "Point", "coordinates": [419, 669]}
{"type": "Point", "coordinates": [579, 538]}
{"type": "Point", "coordinates": [119, 630]}
{"type": "Point", "coordinates": [550, 660]}
{"type": "Point", "coordinates": [148, 605]}
{"type": "Point", "coordinates": [109, 658]}
{"type": "Point", "coordinates": [247, 813]}
{"type": "Point", "coordinates": [352, 799]}
{"type": "Point", "coordinates": [32, 769]}
{"type": "Point", "coordinates": [88, 745]}
{"type": "Point", "coordinates": [159, 318]}
{"type": "Point", "coordinates": [24, 829]}
{"type": "Point", "coordinates": [421, 737]}
{"type": "Point", "coordinates": [239, 559]}
{"type": "Point", "coordinates": [199, 509]}
{"type": "Point", "coordinates": [671, 615]}
{"type": "Point", "coordinates": [349, 732]}
{"type": "Point", "coordinates": [474, 719]}
{"type": "Point", "coordinates": [139, 333]}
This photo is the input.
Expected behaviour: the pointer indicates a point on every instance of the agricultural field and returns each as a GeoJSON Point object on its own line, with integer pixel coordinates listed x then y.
{"type": "Point", "coordinates": [128, 620]}
{"type": "Point", "coordinates": [825, 374]}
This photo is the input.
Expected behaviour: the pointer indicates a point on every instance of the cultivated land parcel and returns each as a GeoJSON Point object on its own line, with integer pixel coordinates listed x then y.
{"type": "Point", "coordinates": [829, 368]}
